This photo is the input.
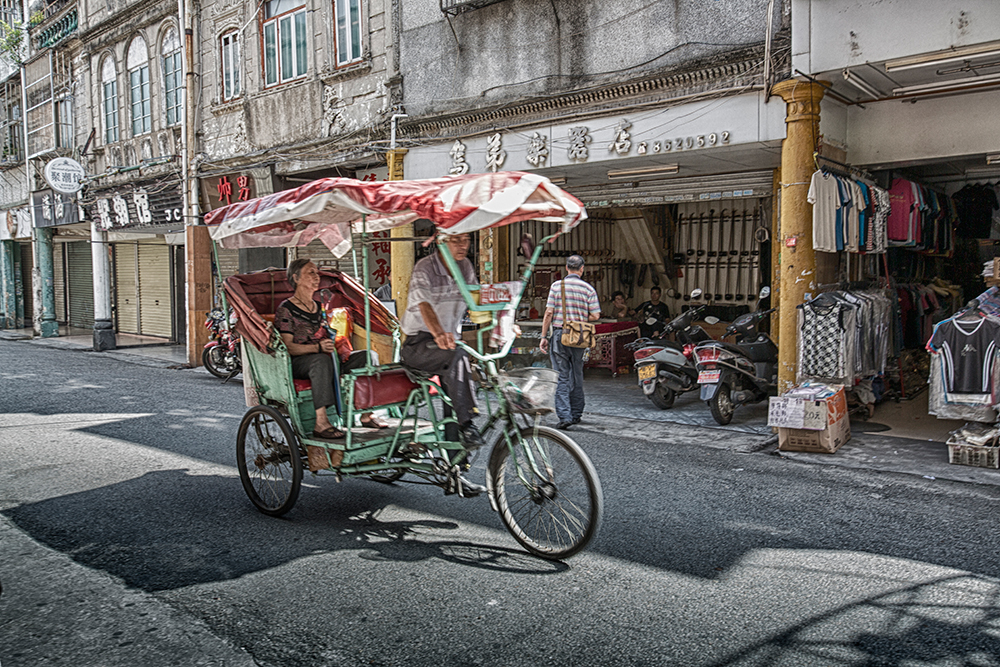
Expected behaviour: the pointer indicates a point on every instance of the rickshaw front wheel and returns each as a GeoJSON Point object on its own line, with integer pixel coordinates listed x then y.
{"type": "Point", "coordinates": [269, 460]}
{"type": "Point", "coordinates": [547, 491]}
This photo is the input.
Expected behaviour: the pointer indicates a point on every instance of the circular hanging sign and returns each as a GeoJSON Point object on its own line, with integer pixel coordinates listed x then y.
{"type": "Point", "coordinates": [64, 174]}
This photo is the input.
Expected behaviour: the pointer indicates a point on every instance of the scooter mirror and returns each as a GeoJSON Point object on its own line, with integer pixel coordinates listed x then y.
{"type": "Point", "coordinates": [765, 292]}
{"type": "Point", "coordinates": [696, 293]}
{"type": "Point", "coordinates": [712, 319]}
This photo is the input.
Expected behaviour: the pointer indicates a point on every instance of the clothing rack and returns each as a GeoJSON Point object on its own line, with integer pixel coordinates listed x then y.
{"type": "Point", "coordinates": [845, 169]}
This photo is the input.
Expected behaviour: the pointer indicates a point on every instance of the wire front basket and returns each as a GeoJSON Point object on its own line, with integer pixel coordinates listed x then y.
{"type": "Point", "coordinates": [530, 391]}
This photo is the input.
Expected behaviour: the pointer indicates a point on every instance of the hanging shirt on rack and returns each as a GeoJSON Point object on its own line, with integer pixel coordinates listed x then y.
{"type": "Point", "coordinates": [901, 214]}
{"type": "Point", "coordinates": [975, 204]}
{"type": "Point", "coordinates": [827, 333]}
{"type": "Point", "coordinates": [824, 195]}
{"type": "Point", "coordinates": [968, 349]}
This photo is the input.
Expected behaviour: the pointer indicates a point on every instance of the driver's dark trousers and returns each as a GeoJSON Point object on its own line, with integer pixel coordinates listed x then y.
{"type": "Point", "coordinates": [420, 353]}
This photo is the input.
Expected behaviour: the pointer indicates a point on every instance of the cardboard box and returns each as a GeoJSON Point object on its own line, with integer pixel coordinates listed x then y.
{"type": "Point", "coordinates": [826, 441]}
{"type": "Point", "coordinates": [824, 423]}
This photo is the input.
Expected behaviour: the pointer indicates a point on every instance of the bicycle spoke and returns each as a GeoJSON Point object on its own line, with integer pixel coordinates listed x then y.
{"type": "Point", "coordinates": [548, 494]}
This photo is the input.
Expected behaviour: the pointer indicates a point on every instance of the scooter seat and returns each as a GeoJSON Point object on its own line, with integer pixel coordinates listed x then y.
{"type": "Point", "coordinates": [735, 349]}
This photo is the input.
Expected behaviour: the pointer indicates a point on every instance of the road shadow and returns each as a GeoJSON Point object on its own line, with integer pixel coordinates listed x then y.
{"type": "Point", "coordinates": [923, 624]}
{"type": "Point", "coordinates": [170, 529]}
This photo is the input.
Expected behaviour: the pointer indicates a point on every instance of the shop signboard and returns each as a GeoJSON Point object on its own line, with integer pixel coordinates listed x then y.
{"type": "Point", "coordinates": [226, 189]}
{"type": "Point", "coordinates": [16, 224]}
{"type": "Point", "coordinates": [64, 175]}
{"type": "Point", "coordinates": [53, 209]}
{"type": "Point", "coordinates": [723, 125]}
{"type": "Point", "coordinates": [152, 205]}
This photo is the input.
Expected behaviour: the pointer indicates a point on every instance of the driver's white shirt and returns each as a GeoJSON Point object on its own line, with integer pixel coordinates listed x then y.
{"type": "Point", "coordinates": [432, 283]}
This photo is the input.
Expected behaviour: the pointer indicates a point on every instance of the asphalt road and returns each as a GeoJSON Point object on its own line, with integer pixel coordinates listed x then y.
{"type": "Point", "coordinates": [126, 539]}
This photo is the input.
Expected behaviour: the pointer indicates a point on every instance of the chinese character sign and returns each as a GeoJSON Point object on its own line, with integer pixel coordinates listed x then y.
{"type": "Point", "coordinates": [623, 140]}
{"type": "Point", "coordinates": [225, 188]}
{"type": "Point", "coordinates": [379, 264]}
{"type": "Point", "coordinates": [104, 213]}
{"type": "Point", "coordinates": [579, 138]}
{"type": "Point", "coordinates": [459, 166]}
{"type": "Point", "coordinates": [121, 211]}
{"type": "Point", "coordinates": [495, 154]}
{"type": "Point", "coordinates": [538, 151]}
{"type": "Point", "coordinates": [243, 183]}
{"type": "Point", "coordinates": [141, 200]}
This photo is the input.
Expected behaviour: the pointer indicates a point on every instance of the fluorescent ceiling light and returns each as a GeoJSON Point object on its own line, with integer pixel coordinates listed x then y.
{"type": "Point", "coordinates": [648, 172]}
{"type": "Point", "coordinates": [993, 159]}
{"type": "Point", "coordinates": [558, 180]}
{"type": "Point", "coordinates": [982, 172]}
{"type": "Point", "coordinates": [944, 57]}
{"type": "Point", "coordinates": [861, 84]}
{"type": "Point", "coordinates": [948, 85]}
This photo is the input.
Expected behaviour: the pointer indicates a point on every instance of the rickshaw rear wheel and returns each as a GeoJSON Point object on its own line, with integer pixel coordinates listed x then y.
{"type": "Point", "coordinates": [269, 459]}
{"type": "Point", "coordinates": [558, 511]}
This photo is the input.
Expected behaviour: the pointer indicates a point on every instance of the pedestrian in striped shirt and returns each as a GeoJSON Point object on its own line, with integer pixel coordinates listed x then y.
{"type": "Point", "coordinates": [581, 306]}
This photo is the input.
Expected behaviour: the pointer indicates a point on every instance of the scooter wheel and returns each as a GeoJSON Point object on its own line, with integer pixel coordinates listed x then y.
{"type": "Point", "coordinates": [721, 405]}
{"type": "Point", "coordinates": [663, 397]}
{"type": "Point", "coordinates": [214, 361]}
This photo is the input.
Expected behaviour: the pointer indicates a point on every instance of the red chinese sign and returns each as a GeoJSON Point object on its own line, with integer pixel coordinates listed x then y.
{"type": "Point", "coordinates": [219, 191]}
{"type": "Point", "coordinates": [498, 293]}
{"type": "Point", "coordinates": [380, 263]}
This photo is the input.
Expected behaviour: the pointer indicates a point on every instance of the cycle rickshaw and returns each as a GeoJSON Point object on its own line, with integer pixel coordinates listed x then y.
{"type": "Point", "coordinates": [539, 480]}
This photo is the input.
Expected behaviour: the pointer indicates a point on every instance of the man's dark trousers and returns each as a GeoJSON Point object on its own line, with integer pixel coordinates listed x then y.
{"type": "Point", "coordinates": [568, 362]}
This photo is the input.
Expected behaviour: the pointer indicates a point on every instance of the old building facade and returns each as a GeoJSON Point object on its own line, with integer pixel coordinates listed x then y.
{"type": "Point", "coordinates": [666, 118]}
{"type": "Point", "coordinates": [643, 110]}
{"type": "Point", "coordinates": [299, 90]}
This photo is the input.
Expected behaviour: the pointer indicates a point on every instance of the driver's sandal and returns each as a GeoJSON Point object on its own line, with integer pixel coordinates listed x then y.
{"type": "Point", "coordinates": [463, 487]}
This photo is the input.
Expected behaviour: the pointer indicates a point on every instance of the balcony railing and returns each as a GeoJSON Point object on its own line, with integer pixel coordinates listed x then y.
{"type": "Point", "coordinates": [456, 7]}
{"type": "Point", "coordinates": [61, 28]}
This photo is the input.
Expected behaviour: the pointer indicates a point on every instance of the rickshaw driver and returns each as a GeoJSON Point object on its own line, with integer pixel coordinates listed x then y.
{"type": "Point", "coordinates": [432, 322]}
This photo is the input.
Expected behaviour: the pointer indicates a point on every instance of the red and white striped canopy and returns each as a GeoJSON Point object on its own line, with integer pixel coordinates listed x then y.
{"type": "Point", "coordinates": [326, 209]}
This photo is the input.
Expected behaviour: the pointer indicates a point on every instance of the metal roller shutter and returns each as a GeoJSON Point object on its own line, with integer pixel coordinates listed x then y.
{"type": "Point", "coordinates": [229, 261]}
{"type": "Point", "coordinates": [80, 283]}
{"type": "Point", "coordinates": [27, 286]}
{"type": "Point", "coordinates": [59, 280]}
{"type": "Point", "coordinates": [696, 188]}
{"type": "Point", "coordinates": [154, 290]}
{"type": "Point", "coordinates": [324, 259]}
{"type": "Point", "coordinates": [126, 295]}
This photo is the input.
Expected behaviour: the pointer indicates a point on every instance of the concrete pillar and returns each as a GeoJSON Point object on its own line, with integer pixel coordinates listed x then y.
{"type": "Point", "coordinates": [8, 286]}
{"type": "Point", "coordinates": [774, 280]}
{"type": "Point", "coordinates": [402, 253]}
{"type": "Point", "coordinates": [43, 278]}
{"type": "Point", "coordinates": [797, 258]}
{"type": "Point", "coordinates": [104, 329]}
{"type": "Point", "coordinates": [198, 261]}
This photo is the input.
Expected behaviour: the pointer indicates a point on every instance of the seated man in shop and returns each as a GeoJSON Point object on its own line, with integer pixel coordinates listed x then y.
{"type": "Point", "coordinates": [619, 310]}
{"type": "Point", "coordinates": [432, 323]}
{"type": "Point", "coordinates": [652, 309]}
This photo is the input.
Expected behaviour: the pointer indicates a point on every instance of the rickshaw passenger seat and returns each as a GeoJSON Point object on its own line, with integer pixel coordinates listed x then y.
{"type": "Point", "coordinates": [391, 386]}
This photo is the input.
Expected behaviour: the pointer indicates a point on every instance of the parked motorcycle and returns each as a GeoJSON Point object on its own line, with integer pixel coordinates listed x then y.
{"type": "Point", "coordinates": [221, 355]}
{"type": "Point", "coordinates": [734, 375]}
{"type": "Point", "coordinates": [666, 367]}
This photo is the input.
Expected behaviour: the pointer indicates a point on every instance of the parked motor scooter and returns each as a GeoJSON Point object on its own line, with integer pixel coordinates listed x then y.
{"type": "Point", "coordinates": [221, 356]}
{"type": "Point", "coordinates": [734, 375]}
{"type": "Point", "coordinates": [666, 367]}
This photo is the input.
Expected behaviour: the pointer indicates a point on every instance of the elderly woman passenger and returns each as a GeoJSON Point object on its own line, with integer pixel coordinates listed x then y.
{"type": "Point", "coordinates": [299, 320]}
